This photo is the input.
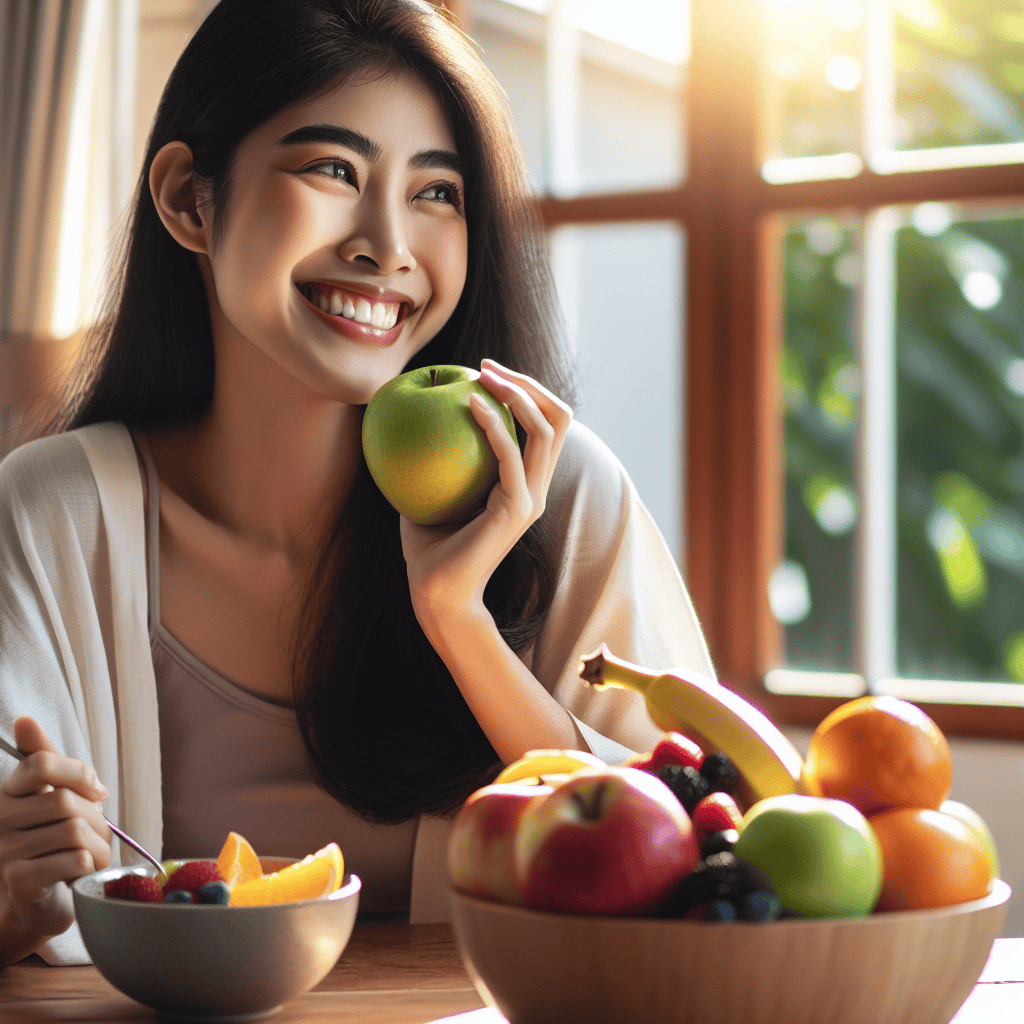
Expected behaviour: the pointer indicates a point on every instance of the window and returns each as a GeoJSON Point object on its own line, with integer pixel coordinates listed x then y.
{"type": "Point", "coordinates": [842, 181]}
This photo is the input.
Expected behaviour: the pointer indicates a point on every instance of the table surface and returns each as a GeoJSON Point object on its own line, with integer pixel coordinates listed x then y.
{"type": "Point", "coordinates": [396, 974]}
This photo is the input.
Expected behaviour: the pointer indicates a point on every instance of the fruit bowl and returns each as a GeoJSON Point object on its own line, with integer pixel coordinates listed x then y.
{"type": "Point", "coordinates": [198, 962]}
{"type": "Point", "coordinates": [911, 967]}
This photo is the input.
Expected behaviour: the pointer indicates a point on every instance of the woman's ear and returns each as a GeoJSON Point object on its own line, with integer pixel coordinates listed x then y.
{"type": "Point", "coordinates": [172, 186]}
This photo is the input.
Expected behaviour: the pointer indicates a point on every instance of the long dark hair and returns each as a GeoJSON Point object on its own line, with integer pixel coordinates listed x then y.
{"type": "Point", "coordinates": [386, 729]}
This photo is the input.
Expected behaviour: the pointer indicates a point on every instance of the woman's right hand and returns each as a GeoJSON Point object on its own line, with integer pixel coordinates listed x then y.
{"type": "Point", "coordinates": [51, 830]}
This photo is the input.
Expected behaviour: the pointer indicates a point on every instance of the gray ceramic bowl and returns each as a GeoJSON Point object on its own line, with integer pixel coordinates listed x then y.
{"type": "Point", "coordinates": [197, 962]}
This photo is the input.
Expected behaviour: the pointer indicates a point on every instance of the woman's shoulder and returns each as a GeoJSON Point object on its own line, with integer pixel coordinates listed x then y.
{"type": "Point", "coordinates": [587, 467]}
{"type": "Point", "coordinates": [57, 466]}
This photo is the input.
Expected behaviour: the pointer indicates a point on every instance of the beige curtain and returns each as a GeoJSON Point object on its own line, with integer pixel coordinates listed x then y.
{"type": "Point", "coordinates": [67, 81]}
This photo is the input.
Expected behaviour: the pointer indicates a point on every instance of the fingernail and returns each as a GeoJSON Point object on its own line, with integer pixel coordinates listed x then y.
{"type": "Point", "coordinates": [98, 787]}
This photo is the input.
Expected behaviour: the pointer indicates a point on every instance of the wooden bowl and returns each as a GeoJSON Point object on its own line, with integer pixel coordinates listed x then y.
{"type": "Point", "coordinates": [912, 967]}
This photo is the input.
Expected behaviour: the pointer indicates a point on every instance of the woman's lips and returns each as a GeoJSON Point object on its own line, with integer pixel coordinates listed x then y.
{"type": "Point", "coordinates": [354, 315]}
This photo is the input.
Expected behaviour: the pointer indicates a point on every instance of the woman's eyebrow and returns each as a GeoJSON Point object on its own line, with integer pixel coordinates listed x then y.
{"type": "Point", "coordinates": [428, 159]}
{"type": "Point", "coordinates": [337, 135]}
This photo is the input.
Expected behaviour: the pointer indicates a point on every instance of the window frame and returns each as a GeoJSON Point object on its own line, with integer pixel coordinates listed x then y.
{"type": "Point", "coordinates": [733, 223]}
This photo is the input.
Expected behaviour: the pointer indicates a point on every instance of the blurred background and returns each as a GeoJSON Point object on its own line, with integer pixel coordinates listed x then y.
{"type": "Point", "coordinates": [788, 239]}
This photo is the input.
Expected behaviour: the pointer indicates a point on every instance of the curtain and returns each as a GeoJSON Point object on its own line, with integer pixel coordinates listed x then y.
{"type": "Point", "coordinates": [67, 85]}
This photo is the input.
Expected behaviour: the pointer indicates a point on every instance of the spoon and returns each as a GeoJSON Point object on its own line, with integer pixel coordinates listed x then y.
{"type": "Point", "coordinates": [126, 839]}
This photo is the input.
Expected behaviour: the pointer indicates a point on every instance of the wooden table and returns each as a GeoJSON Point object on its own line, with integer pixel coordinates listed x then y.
{"type": "Point", "coordinates": [395, 974]}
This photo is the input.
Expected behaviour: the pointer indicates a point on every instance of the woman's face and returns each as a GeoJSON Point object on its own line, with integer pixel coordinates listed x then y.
{"type": "Point", "coordinates": [344, 239]}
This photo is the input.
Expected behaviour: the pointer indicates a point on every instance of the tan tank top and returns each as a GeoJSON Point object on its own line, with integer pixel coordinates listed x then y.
{"type": "Point", "coordinates": [234, 761]}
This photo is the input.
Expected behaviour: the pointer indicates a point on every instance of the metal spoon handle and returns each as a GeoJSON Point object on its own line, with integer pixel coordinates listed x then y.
{"type": "Point", "coordinates": [126, 839]}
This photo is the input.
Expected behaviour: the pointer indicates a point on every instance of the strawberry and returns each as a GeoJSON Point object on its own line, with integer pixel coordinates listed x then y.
{"type": "Point", "coordinates": [192, 876]}
{"type": "Point", "coordinates": [141, 888]}
{"type": "Point", "coordinates": [672, 748]}
{"type": "Point", "coordinates": [717, 812]}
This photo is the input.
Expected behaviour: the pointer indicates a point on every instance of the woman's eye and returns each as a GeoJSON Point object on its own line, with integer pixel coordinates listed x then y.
{"type": "Point", "coordinates": [444, 192]}
{"type": "Point", "coordinates": [339, 170]}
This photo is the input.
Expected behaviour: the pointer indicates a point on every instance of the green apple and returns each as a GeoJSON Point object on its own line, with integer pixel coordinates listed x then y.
{"type": "Point", "coordinates": [973, 820]}
{"type": "Point", "coordinates": [424, 449]}
{"type": "Point", "coordinates": [820, 855]}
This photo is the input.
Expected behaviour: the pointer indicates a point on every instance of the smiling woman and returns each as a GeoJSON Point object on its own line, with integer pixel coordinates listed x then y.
{"type": "Point", "coordinates": [204, 598]}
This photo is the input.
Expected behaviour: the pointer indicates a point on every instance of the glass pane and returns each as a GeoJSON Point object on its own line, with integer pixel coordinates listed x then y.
{"type": "Point", "coordinates": [631, 358]}
{"type": "Point", "coordinates": [959, 72]}
{"type": "Point", "coordinates": [813, 71]}
{"type": "Point", "coordinates": [592, 84]}
{"type": "Point", "coordinates": [960, 454]}
{"type": "Point", "coordinates": [811, 592]}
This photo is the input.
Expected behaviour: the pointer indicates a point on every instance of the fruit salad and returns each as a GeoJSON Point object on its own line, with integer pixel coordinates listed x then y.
{"type": "Point", "coordinates": [737, 827]}
{"type": "Point", "coordinates": [235, 878]}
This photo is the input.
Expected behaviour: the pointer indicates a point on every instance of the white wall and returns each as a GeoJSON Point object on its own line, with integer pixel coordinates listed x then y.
{"type": "Point", "coordinates": [988, 776]}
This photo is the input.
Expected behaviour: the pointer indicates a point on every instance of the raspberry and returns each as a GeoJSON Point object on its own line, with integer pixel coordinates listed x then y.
{"type": "Point", "coordinates": [141, 888]}
{"type": "Point", "coordinates": [191, 877]}
{"type": "Point", "coordinates": [688, 785]}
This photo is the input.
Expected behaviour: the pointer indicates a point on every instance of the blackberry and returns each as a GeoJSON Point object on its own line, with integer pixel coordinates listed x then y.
{"type": "Point", "coordinates": [720, 876]}
{"type": "Point", "coordinates": [688, 785]}
{"type": "Point", "coordinates": [718, 771]}
{"type": "Point", "coordinates": [719, 842]}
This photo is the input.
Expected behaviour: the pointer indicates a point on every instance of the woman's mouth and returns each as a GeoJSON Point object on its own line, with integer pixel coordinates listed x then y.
{"type": "Point", "coordinates": [375, 318]}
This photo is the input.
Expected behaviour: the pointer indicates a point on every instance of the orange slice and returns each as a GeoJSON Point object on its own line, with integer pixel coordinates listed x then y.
{"type": "Point", "coordinates": [316, 875]}
{"type": "Point", "coordinates": [237, 861]}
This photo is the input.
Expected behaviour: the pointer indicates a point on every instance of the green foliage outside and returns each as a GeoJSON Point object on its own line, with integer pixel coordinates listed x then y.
{"type": "Point", "coordinates": [959, 281]}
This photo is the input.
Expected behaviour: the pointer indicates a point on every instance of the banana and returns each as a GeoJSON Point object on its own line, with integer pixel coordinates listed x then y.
{"type": "Point", "coordinates": [539, 763]}
{"type": "Point", "coordinates": [764, 757]}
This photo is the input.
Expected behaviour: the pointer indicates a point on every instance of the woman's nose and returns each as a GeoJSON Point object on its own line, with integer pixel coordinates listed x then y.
{"type": "Point", "coordinates": [379, 237]}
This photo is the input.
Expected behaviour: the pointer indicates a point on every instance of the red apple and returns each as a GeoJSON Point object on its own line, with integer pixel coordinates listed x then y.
{"type": "Point", "coordinates": [481, 838]}
{"type": "Point", "coordinates": [606, 841]}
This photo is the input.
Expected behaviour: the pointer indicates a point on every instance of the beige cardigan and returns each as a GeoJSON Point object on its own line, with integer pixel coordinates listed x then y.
{"type": "Point", "coordinates": [75, 651]}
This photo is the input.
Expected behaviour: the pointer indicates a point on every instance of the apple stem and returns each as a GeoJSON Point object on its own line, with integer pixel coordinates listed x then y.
{"type": "Point", "coordinates": [590, 810]}
{"type": "Point", "coordinates": [602, 669]}
{"type": "Point", "coordinates": [433, 377]}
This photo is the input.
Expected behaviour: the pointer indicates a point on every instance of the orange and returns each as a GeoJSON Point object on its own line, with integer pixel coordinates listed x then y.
{"type": "Point", "coordinates": [316, 875]}
{"type": "Point", "coordinates": [877, 753]}
{"type": "Point", "coordinates": [930, 859]}
{"type": "Point", "coordinates": [237, 860]}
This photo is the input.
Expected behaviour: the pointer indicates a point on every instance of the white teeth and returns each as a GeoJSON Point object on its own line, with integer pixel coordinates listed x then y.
{"type": "Point", "coordinates": [380, 315]}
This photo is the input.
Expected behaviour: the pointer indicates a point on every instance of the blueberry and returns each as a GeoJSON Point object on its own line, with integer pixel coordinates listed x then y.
{"type": "Point", "coordinates": [721, 910]}
{"type": "Point", "coordinates": [178, 896]}
{"type": "Point", "coordinates": [215, 892]}
{"type": "Point", "coordinates": [759, 906]}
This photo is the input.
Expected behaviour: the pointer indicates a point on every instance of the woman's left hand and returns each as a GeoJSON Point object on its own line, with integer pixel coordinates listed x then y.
{"type": "Point", "coordinates": [449, 567]}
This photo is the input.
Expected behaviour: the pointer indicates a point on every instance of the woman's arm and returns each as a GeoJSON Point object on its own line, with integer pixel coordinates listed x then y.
{"type": "Point", "coordinates": [514, 710]}
{"type": "Point", "coordinates": [448, 571]}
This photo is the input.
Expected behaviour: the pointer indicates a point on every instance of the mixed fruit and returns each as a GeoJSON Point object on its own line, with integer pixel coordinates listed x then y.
{"type": "Point", "coordinates": [737, 826]}
{"type": "Point", "coordinates": [235, 878]}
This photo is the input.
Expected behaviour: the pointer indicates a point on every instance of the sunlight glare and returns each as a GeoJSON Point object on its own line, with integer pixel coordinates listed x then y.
{"type": "Point", "coordinates": [844, 72]}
